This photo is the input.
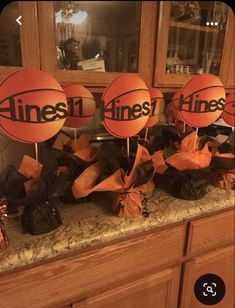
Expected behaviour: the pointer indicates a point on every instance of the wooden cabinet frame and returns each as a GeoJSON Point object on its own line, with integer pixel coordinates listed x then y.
{"type": "Point", "coordinates": [95, 79]}
{"type": "Point", "coordinates": [29, 38]}
{"type": "Point", "coordinates": [163, 79]}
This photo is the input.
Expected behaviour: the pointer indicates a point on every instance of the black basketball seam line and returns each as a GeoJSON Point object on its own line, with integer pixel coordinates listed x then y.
{"type": "Point", "coordinates": [34, 122]}
{"type": "Point", "coordinates": [118, 134]}
{"type": "Point", "coordinates": [201, 90]}
{"type": "Point", "coordinates": [80, 97]}
{"type": "Point", "coordinates": [187, 84]}
{"type": "Point", "coordinates": [230, 102]}
{"type": "Point", "coordinates": [192, 124]}
{"type": "Point", "coordinates": [29, 91]}
{"type": "Point", "coordinates": [109, 86]}
{"type": "Point", "coordinates": [123, 120]}
{"type": "Point", "coordinates": [19, 139]}
{"type": "Point", "coordinates": [79, 85]}
{"type": "Point", "coordinates": [14, 138]}
{"type": "Point", "coordinates": [175, 107]}
{"type": "Point", "coordinates": [125, 94]}
{"type": "Point", "coordinates": [110, 130]}
{"type": "Point", "coordinates": [156, 97]}
{"type": "Point", "coordinates": [10, 76]}
{"type": "Point", "coordinates": [85, 116]}
{"type": "Point", "coordinates": [192, 94]}
{"type": "Point", "coordinates": [233, 114]}
{"type": "Point", "coordinates": [154, 115]}
{"type": "Point", "coordinates": [199, 112]}
{"type": "Point", "coordinates": [175, 99]}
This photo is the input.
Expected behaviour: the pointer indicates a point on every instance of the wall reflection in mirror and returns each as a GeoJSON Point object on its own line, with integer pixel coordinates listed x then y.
{"type": "Point", "coordinates": [98, 35]}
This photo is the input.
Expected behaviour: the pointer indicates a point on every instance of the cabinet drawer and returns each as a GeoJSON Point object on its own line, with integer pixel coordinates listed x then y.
{"type": "Point", "coordinates": [211, 232]}
{"type": "Point", "coordinates": [161, 288]}
{"type": "Point", "coordinates": [63, 281]}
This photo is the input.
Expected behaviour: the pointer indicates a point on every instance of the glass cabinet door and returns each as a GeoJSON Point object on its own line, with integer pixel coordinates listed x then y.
{"type": "Point", "coordinates": [194, 40]}
{"type": "Point", "coordinates": [98, 36]}
{"type": "Point", "coordinates": [19, 43]}
{"type": "Point", "coordinates": [92, 42]}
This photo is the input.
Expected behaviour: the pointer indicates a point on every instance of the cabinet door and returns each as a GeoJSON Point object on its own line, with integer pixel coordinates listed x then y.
{"type": "Point", "coordinates": [193, 38]}
{"type": "Point", "coordinates": [94, 42]}
{"type": "Point", "coordinates": [19, 44]}
{"type": "Point", "coordinates": [231, 74]}
{"type": "Point", "coordinates": [220, 263]}
{"type": "Point", "coordinates": [158, 290]}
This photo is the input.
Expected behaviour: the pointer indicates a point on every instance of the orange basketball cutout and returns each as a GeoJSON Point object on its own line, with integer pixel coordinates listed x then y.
{"type": "Point", "coordinates": [202, 100]}
{"type": "Point", "coordinates": [228, 113]}
{"type": "Point", "coordinates": [81, 105]}
{"type": "Point", "coordinates": [33, 106]}
{"type": "Point", "coordinates": [157, 107]}
{"type": "Point", "coordinates": [174, 107]}
{"type": "Point", "coordinates": [125, 106]}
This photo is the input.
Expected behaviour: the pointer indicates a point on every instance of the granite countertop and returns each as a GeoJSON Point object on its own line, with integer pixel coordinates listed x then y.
{"type": "Point", "coordinates": [92, 223]}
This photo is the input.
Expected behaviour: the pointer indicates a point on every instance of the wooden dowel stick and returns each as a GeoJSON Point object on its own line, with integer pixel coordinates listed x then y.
{"type": "Point", "coordinates": [128, 146]}
{"type": "Point", "coordinates": [146, 134]}
{"type": "Point", "coordinates": [36, 152]}
{"type": "Point", "coordinates": [75, 134]}
{"type": "Point", "coordinates": [184, 127]}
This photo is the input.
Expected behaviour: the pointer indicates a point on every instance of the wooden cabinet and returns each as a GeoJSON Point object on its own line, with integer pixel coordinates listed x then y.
{"type": "Point", "coordinates": [231, 71]}
{"type": "Point", "coordinates": [211, 232]}
{"type": "Point", "coordinates": [156, 39]}
{"type": "Point", "coordinates": [78, 276]}
{"type": "Point", "coordinates": [19, 44]}
{"type": "Point", "coordinates": [156, 290]}
{"type": "Point", "coordinates": [219, 262]}
{"type": "Point", "coordinates": [116, 32]}
{"type": "Point", "coordinates": [193, 39]}
{"type": "Point", "coordinates": [158, 268]}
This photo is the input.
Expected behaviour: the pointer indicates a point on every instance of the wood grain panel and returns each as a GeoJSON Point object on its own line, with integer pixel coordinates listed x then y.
{"type": "Point", "coordinates": [157, 290]}
{"type": "Point", "coordinates": [227, 61]}
{"type": "Point", "coordinates": [211, 232]}
{"type": "Point", "coordinates": [219, 262]}
{"type": "Point", "coordinates": [29, 39]}
{"type": "Point", "coordinates": [29, 36]}
{"type": "Point", "coordinates": [61, 281]}
{"type": "Point", "coordinates": [147, 41]}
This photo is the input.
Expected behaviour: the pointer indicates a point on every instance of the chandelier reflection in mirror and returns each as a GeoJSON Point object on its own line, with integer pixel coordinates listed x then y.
{"type": "Point", "coordinates": [71, 15]}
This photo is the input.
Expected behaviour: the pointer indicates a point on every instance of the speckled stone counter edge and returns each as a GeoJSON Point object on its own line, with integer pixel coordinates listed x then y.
{"type": "Point", "coordinates": [89, 224]}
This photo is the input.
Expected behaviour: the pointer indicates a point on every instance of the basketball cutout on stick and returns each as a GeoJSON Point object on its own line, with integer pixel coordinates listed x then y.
{"type": "Point", "coordinates": [125, 106]}
{"type": "Point", "coordinates": [202, 100]}
{"type": "Point", "coordinates": [81, 105]}
{"type": "Point", "coordinates": [33, 106]}
{"type": "Point", "coordinates": [175, 101]}
{"type": "Point", "coordinates": [228, 113]}
{"type": "Point", "coordinates": [157, 107]}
